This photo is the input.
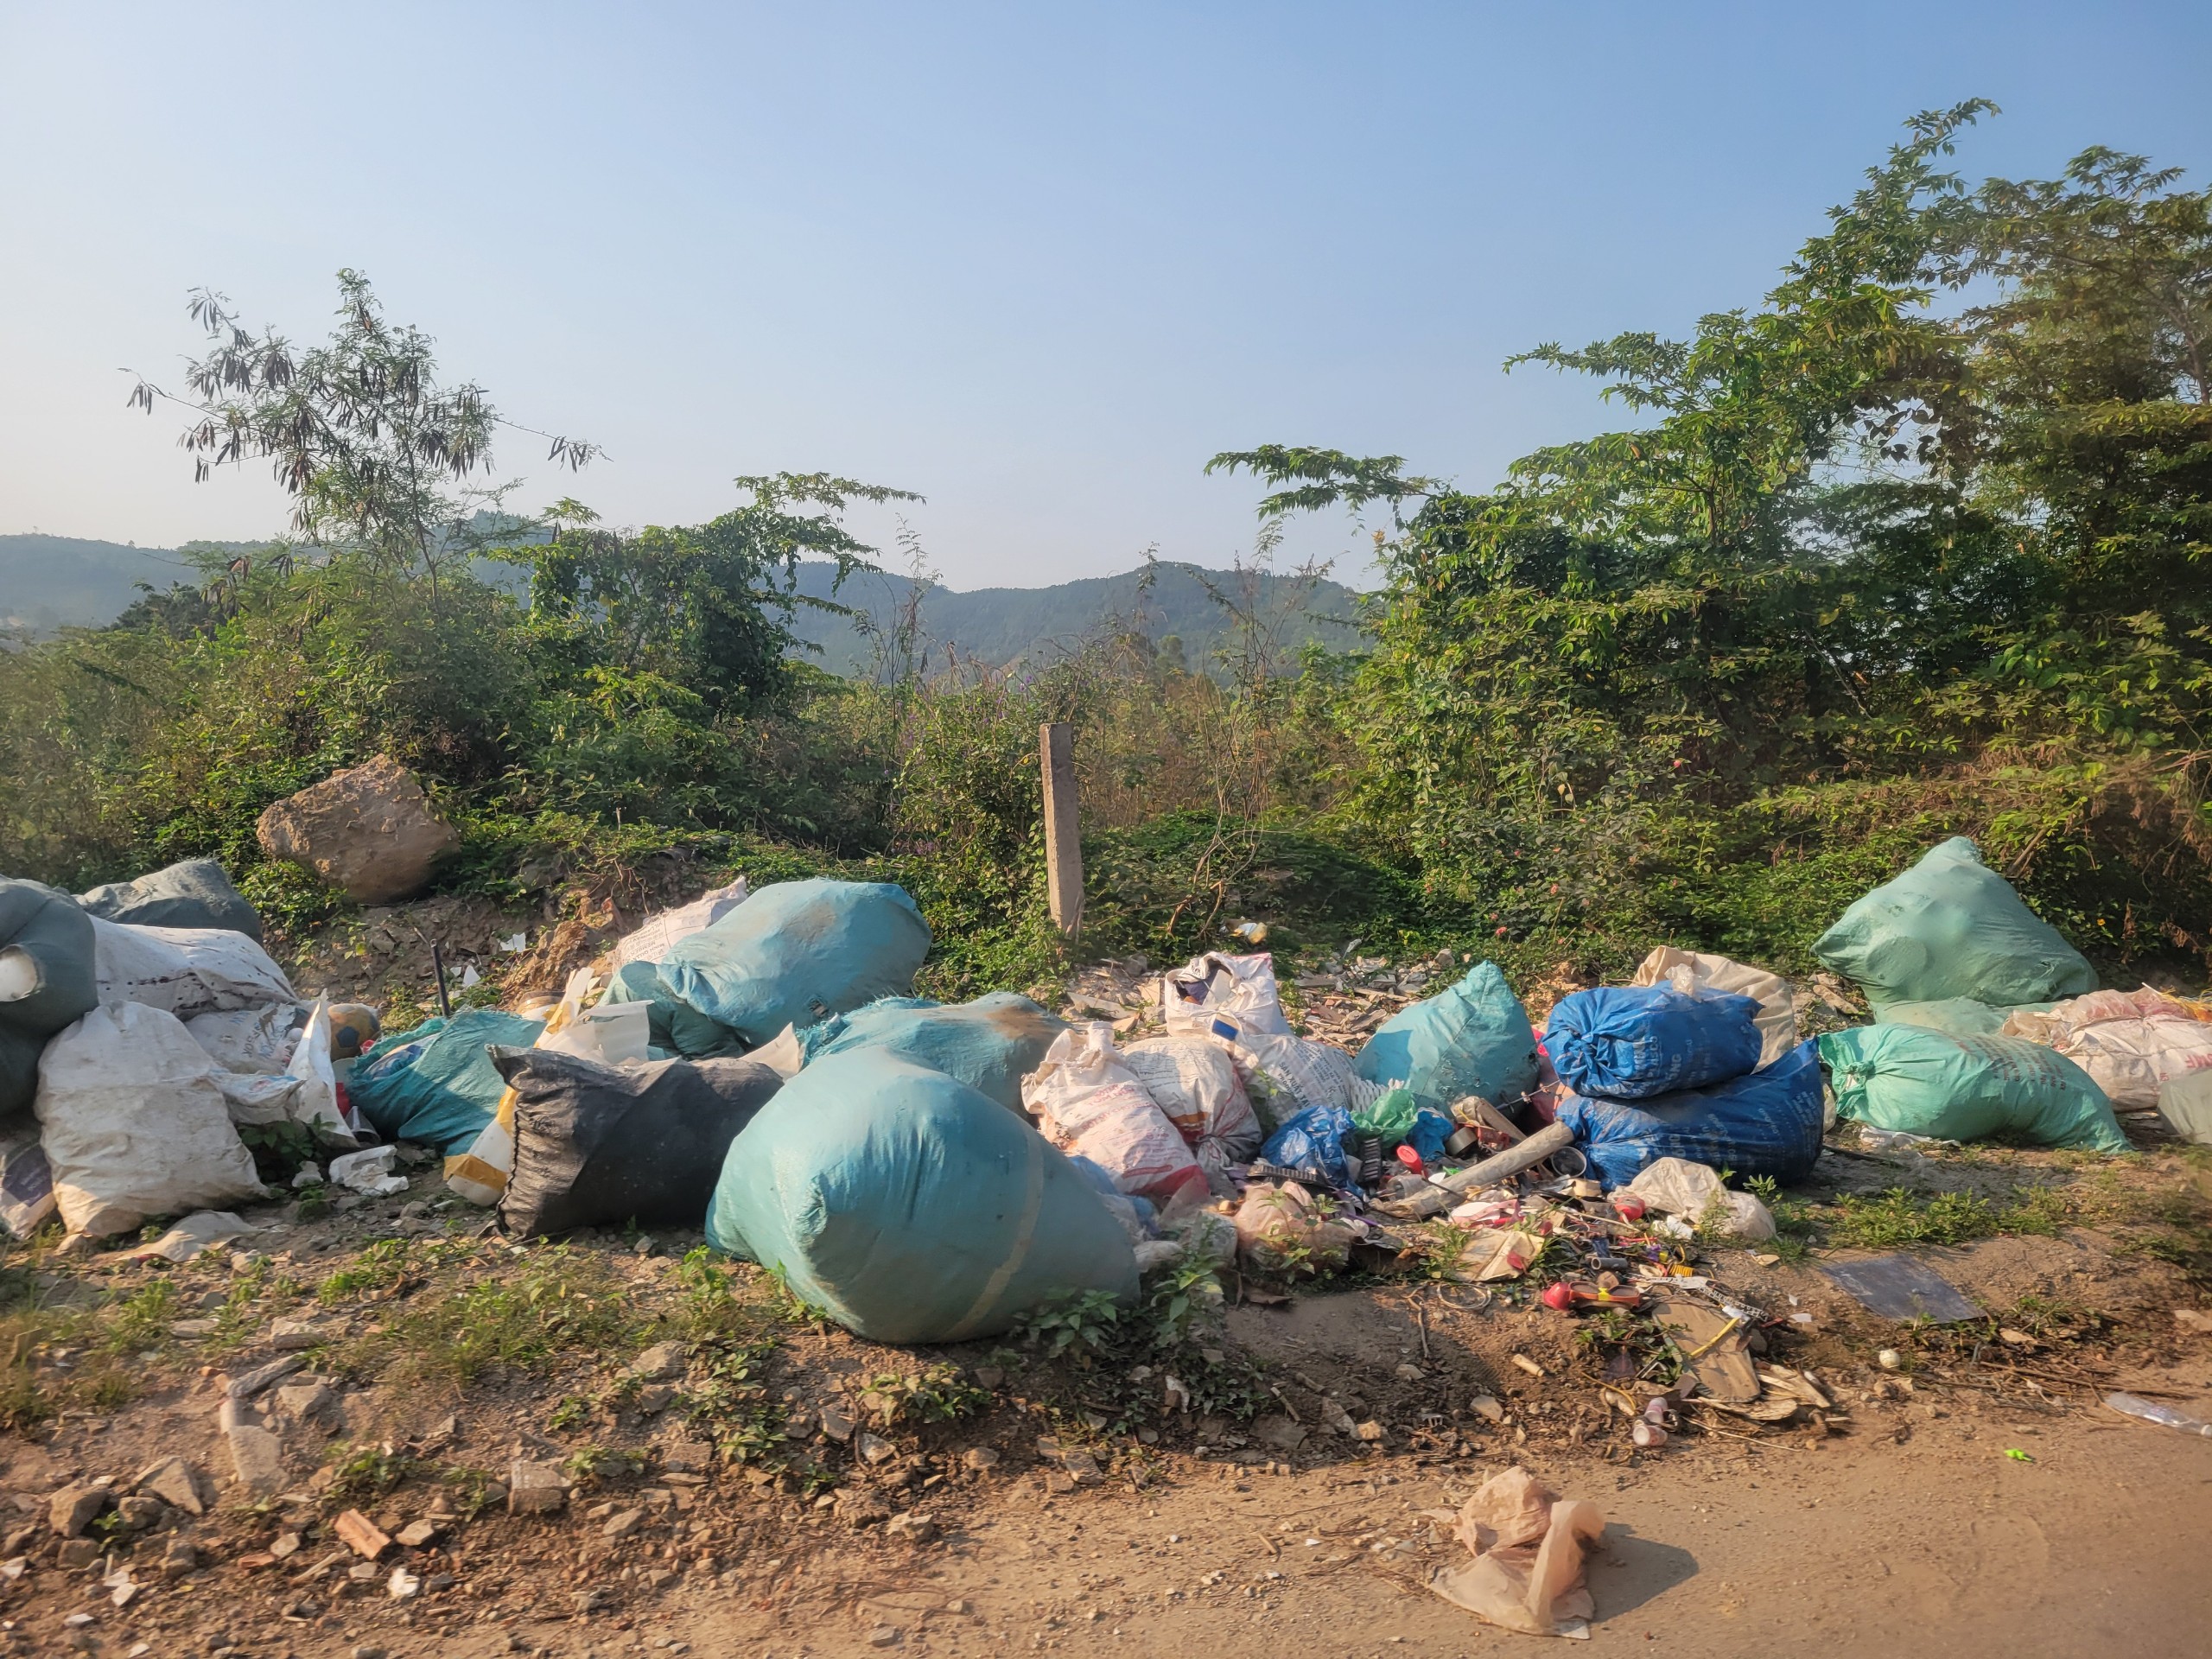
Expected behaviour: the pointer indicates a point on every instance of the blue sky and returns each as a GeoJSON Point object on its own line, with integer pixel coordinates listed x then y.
{"type": "Point", "coordinates": [1036, 262]}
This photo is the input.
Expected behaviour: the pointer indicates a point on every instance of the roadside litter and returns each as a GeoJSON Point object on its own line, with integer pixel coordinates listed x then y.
{"type": "Point", "coordinates": [1472, 1038]}
{"type": "Point", "coordinates": [194, 893]}
{"type": "Point", "coordinates": [1951, 927]}
{"type": "Point", "coordinates": [1088, 1102]}
{"type": "Point", "coordinates": [1965, 1088]}
{"type": "Point", "coordinates": [2151, 1411]}
{"type": "Point", "coordinates": [599, 1145]}
{"type": "Point", "coordinates": [1531, 1551]}
{"type": "Point", "coordinates": [990, 1044]}
{"type": "Point", "coordinates": [1634, 1042]}
{"type": "Point", "coordinates": [1692, 971]}
{"type": "Point", "coordinates": [911, 1207]}
{"type": "Point", "coordinates": [46, 982]}
{"type": "Point", "coordinates": [2130, 1043]}
{"type": "Point", "coordinates": [797, 952]}
{"type": "Point", "coordinates": [1902, 1287]}
{"type": "Point", "coordinates": [435, 1085]}
{"type": "Point", "coordinates": [1761, 1123]}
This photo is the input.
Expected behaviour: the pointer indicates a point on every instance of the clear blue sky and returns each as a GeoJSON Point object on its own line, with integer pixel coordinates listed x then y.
{"type": "Point", "coordinates": [1035, 262]}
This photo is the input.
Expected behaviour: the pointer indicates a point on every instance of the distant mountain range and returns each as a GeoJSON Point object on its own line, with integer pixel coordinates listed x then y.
{"type": "Point", "coordinates": [53, 581]}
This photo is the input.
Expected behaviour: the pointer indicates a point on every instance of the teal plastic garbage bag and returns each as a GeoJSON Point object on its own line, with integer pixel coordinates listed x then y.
{"type": "Point", "coordinates": [1761, 1123]}
{"type": "Point", "coordinates": [1951, 927]}
{"type": "Point", "coordinates": [436, 1084]}
{"type": "Point", "coordinates": [1923, 1082]}
{"type": "Point", "coordinates": [910, 1207]}
{"type": "Point", "coordinates": [46, 982]}
{"type": "Point", "coordinates": [799, 951]}
{"type": "Point", "coordinates": [1474, 1038]}
{"type": "Point", "coordinates": [1632, 1042]}
{"type": "Point", "coordinates": [989, 1044]}
{"type": "Point", "coordinates": [673, 1027]}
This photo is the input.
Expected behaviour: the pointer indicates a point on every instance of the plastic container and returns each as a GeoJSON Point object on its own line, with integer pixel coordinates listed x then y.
{"type": "Point", "coordinates": [2152, 1412]}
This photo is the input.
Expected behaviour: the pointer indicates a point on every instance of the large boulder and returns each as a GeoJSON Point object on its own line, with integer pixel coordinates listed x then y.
{"type": "Point", "coordinates": [368, 831]}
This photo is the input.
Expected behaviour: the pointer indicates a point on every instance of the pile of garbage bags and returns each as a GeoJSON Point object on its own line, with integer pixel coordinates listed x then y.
{"type": "Point", "coordinates": [756, 1062]}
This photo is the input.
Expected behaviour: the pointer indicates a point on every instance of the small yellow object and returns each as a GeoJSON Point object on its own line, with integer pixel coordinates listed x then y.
{"type": "Point", "coordinates": [2016, 1455]}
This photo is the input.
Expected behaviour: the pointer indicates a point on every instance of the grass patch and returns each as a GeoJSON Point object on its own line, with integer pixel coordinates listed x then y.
{"type": "Point", "coordinates": [558, 1300]}
{"type": "Point", "coordinates": [1899, 1219]}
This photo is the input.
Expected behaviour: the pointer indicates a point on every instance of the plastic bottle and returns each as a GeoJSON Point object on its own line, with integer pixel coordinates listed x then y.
{"type": "Point", "coordinates": [2152, 1412]}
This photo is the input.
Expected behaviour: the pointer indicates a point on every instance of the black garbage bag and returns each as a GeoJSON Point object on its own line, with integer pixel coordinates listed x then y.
{"type": "Point", "coordinates": [599, 1145]}
{"type": "Point", "coordinates": [46, 982]}
{"type": "Point", "coordinates": [194, 893]}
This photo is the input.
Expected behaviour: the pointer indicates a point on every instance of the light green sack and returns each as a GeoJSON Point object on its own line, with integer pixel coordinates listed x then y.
{"type": "Point", "coordinates": [1957, 1016]}
{"type": "Point", "coordinates": [1950, 926]}
{"type": "Point", "coordinates": [1965, 1088]}
{"type": "Point", "coordinates": [1391, 1115]}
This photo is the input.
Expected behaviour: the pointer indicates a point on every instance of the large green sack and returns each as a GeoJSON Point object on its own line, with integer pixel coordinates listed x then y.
{"type": "Point", "coordinates": [1922, 1082]}
{"type": "Point", "coordinates": [1951, 927]}
{"type": "Point", "coordinates": [797, 952]}
{"type": "Point", "coordinates": [1474, 1038]}
{"type": "Point", "coordinates": [1955, 1016]}
{"type": "Point", "coordinates": [910, 1207]}
{"type": "Point", "coordinates": [674, 1026]}
{"type": "Point", "coordinates": [436, 1084]}
{"type": "Point", "coordinates": [46, 978]}
{"type": "Point", "coordinates": [990, 1044]}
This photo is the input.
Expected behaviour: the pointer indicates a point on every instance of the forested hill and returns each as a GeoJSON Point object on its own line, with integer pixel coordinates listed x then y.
{"type": "Point", "coordinates": [999, 626]}
{"type": "Point", "coordinates": [52, 582]}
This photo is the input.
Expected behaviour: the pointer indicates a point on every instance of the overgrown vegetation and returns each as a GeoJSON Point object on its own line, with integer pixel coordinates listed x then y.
{"type": "Point", "coordinates": [1916, 546]}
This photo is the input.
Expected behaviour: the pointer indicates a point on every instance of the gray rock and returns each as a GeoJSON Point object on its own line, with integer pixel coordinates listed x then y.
{"type": "Point", "coordinates": [368, 831]}
{"type": "Point", "coordinates": [307, 1402]}
{"type": "Point", "coordinates": [256, 1460]}
{"type": "Point", "coordinates": [662, 1363]}
{"type": "Point", "coordinates": [535, 1488]}
{"type": "Point", "coordinates": [622, 1525]}
{"type": "Point", "coordinates": [179, 1559]}
{"type": "Point", "coordinates": [71, 1509]}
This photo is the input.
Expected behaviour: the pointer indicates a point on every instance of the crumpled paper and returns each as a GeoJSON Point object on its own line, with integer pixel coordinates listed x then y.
{"type": "Point", "coordinates": [1529, 1548]}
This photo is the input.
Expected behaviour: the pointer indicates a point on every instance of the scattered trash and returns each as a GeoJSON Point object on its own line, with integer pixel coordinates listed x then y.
{"type": "Point", "coordinates": [436, 1084]}
{"type": "Point", "coordinates": [2150, 1412]}
{"type": "Point", "coordinates": [1890, 1360]}
{"type": "Point", "coordinates": [1530, 1550]}
{"type": "Point", "coordinates": [797, 952]}
{"type": "Point", "coordinates": [1474, 1038]}
{"type": "Point", "coordinates": [1676, 1186]}
{"type": "Point", "coordinates": [190, 1235]}
{"type": "Point", "coordinates": [1965, 1088]}
{"type": "Point", "coordinates": [1088, 1102]}
{"type": "Point", "coordinates": [2130, 1043]}
{"type": "Point", "coordinates": [1281, 1229]}
{"type": "Point", "coordinates": [1625, 1042]}
{"type": "Point", "coordinates": [1902, 1287]}
{"type": "Point", "coordinates": [368, 1172]}
{"type": "Point", "coordinates": [1195, 1082]}
{"type": "Point", "coordinates": [909, 1207]}
{"type": "Point", "coordinates": [1761, 1123]}
{"type": "Point", "coordinates": [1240, 989]}
{"type": "Point", "coordinates": [990, 1044]}
{"type": "Point", "coordinates": [194, 893]}
{"type": "Point", "coordinates": [26, 1183]}
{"type": "Point", "coordinates": [1693, 971]}
{"type": "Point", "coordinates": [1948, 927]}
{"type": "Point", "coordinates": [2016, 1455]}
{"type": "Point", "coordinates": [599, 1145]}
{"type": "Point", "coordinates": [134, 1123]}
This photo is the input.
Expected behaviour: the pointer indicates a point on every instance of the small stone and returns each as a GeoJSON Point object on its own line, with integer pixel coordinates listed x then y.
{"type": "Point", "coordinates": [76, 1553]}
{"type": "Point", "coordinates": [1370, 1432]}
{"type": "Point", "coordinates": [1890, 1360]}
{"type": "Point", "coordinates": [988, 1377]}
{"type": "Point", "coordinates": [306, 1403]}
{"type": "Point", "coordinates": [654, 1398]}
{"type": "Point", "coordinates": [14, 1569]}
{"type": "Point", "coordinates": [687, 1456]}
{"type": "Point", "coordinates": [360, 1534]}
{"type": "Point", "coordinates": [661, 1577]}
{"type": "Point", "coordinates": [913, 1526]}
{"type": "Point", "coordinates": [286, 1545]}
{"type": "Point", "coordinates": [858, 1507]}
{"type": "Point", "coordinates": [2012, 1338]}
{"type": "Point", "coordinates": [622, 1525]}
{"type": "Point", "coordinates": [244, 1387]}
{"type": "Point", "coordinates": [70, 1510]}
{"type": "Point", "coordinates": [289, 1335]}
{"type": "Point", "coordinates": [365, 1650]}
{"type": "Point", "coordinates": [980, 1457]}
{"type": "Point", "coordinates": [364, 1572]}
{"type": "Point", "coordinates": [838, 1422]}
{"type": "Point", "coordinates": [137, 1514]}
{"type": "Point", "coordinates": [957, 1606]}
{"type": "Point", "coordinates": [403, 1585]}
{"type": "Point", "coordinates": [1485, 1406]}
{"type": "Point", "coordinates": [179, 1559]}
{"type": "Point", "coordinates": [876, 1449]}
{"type": "Point", "coordinates": [193, 1329]}
{"type": "Point", "coordinates": [1409, 1373]}
{"type": "Point", "coordinates": [1278, 1432]}
{"type": "Point", "coordinates": [416, 1534]}
{"type": "Point", "coordinates": [535, 1488]}
{"type": "Point", "coordinates": [662, 1363]}
{"type": "Point", "coordinates": [589, 1601]}
{"type": "Point", "coordinates": [885, 1636]}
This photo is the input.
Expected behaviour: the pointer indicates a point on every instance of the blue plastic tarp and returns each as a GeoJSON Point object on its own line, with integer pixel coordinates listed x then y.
{"type": "Point", "coordinates": [910, 1207]}
{"type": "Point", "coordinates": [1763, 1123]}
{"type": "Point", "coordinates": [1633, 1042]}
{"type": "Point", "coordinates": [1311, 1142]}
{"type": "Point", "coordinates": [1474, 1038]}
{"type": "Point", "coordinates": [799, 951]}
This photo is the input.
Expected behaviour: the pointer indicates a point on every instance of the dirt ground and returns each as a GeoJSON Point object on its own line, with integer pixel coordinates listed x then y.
{"type": "Point", "coordinates": [1901, 1515]}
